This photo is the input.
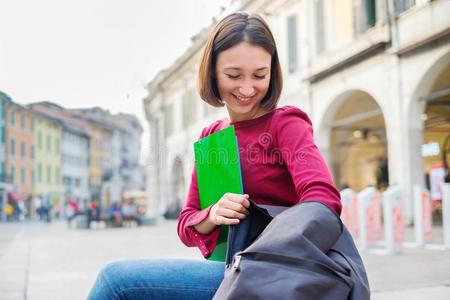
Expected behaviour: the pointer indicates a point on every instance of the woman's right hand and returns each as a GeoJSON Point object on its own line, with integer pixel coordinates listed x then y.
{"type": "Point", "coordinates": [230, 209]}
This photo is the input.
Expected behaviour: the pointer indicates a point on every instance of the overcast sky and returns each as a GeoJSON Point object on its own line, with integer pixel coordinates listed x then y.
{"type": "Point", "coordinates": [87, 53]}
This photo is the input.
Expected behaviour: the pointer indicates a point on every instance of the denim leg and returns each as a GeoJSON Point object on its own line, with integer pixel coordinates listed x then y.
{"type": "Point", "coordinates": [164, 279]}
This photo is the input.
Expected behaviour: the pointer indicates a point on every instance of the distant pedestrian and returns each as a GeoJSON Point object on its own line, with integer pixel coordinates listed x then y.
{"type": "Point", "coordinates": [115, 214]}
{"type": "Point", "coordinates": [37, 201]}
{"type": "Point", "coordinates": [71, 209]}
{"type": "Point", "coordinates": [93, 211]}
{"type": "Point", "coordinates": [9, 211]}
{"type": "Point", "coordinates": [130, 212]}
{"type": "Point", "coordinates": [46, 210]}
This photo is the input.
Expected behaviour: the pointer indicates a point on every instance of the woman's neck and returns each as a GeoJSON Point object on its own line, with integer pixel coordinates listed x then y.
{"type": "Point", "coordinates": [250, 116]}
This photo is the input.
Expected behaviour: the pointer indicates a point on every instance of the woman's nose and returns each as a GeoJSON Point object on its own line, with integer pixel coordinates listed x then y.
{"type": "Point", "coordinates": [247, 90]}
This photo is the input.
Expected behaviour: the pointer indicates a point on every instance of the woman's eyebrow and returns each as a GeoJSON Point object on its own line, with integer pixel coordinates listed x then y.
{"type": "Point", "coordinates": [238, 69]}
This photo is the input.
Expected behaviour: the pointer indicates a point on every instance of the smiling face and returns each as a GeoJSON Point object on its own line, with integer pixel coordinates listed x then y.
{"type": "Point", "coordinates": [243, 78]}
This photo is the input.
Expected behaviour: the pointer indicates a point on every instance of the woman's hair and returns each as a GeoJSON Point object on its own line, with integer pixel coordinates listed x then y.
{"type": "Point", "coordinates": [230, 31]}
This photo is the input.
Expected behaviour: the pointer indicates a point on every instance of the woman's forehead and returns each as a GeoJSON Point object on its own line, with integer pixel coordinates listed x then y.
{"type": "Point", "coordinates": [244, 56]}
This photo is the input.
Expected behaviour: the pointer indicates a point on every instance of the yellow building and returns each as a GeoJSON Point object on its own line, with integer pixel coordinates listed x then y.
{"type": "Point", "coordinates": [46, 152]}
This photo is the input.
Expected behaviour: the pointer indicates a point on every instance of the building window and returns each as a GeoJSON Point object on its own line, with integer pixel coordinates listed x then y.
{"type": "Point", "coordinates": [57, 179]}
{"type": "Point", "coordinates": [13, 147]}
{"type": "Point", "coordinates": [403, 5]}
{"type": "Point", "coordinates": [292, 43]}
{"type": "Point", "coordinates": [168, 120]}
{"type": "Point", "coordinates": [22, 149]}
{"type": "Point", "coordinates": [22, 176]}
{"type": "Point", "coordinates": [13, 174]}
{"type": "Point", "coordinates": [49, 174]}
{"type": "Point", "coordinates": [22, 120]}
{"type": "Point", "coordinates": [39, 173]}
{"type": "Point", "coordinates": [49, 143]}
{"type": "Point", "coordinates": [32, 151]}
{"type": "Point", "coordinates": [3, 169]}
{"type": "Point", "coordinates": [32, 124]}
{"type": "Point", "coordinates": [320, 26]}
{"type": "Point", "coordinates": [12, 118]}
{"type": "Point", "coordinates": [3, 135]}
{"type": "Point", "coordinates": [40, 140]}
{"type": "Point", "coordinates": [33, 180]}
{"type": "Point", "coordinates": [67, 182]}
{"type": "Point", "coordinates": [56, 146]}
{"type": "Point", "coordinates": [365, 15]}
{"type": "Point", "coordinates": [371, 12]}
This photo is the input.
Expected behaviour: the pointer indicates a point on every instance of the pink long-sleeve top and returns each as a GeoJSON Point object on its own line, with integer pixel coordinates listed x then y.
{"type": "Point", "coordinates": [280, 165]}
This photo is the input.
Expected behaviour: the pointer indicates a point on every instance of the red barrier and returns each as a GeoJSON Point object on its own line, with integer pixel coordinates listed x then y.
{"type": "Point", "coordinates": [370, 217]}
{"type": "Point", "coordinates": [346, 217]}
{"type": "Point", "coordinates": [354, 218]}
{"type": "Point", "coordinates": [377, 225]}
{"type": "Point", "coordinates": [427, 217]}
{"type": "Point", "coordinates": [397, 212]}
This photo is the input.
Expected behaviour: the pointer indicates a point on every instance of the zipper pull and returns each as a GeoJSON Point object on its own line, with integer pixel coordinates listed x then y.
{"type": "Point", "coordinates": [237, 260]}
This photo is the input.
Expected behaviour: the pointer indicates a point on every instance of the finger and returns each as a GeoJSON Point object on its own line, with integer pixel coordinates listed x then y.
{"type": "Point", "coordinates": [231, 214]}
{"type": "Point", "coordinates": [238, 198]}
{"type": "Point", "coordinates": [246, 203]}
{"type": "Point", "coordinates": [234, 206]}
{"type": "Point", "coordinates": [221, 220]}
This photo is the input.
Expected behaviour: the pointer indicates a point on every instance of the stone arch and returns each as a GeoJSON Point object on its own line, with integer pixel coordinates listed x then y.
{"type": "Point", "coordinates": [428, 116]}
{"type": "Point", "coordinates": [423, 89]}
{"type": "Point", "coordinates": [352, 137]}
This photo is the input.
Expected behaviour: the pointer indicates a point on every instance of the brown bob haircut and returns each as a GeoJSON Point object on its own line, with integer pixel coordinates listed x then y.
{"type": "Point", "coordinates": [230, 31]}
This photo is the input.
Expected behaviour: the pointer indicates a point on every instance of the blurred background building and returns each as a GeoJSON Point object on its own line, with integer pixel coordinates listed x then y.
{"type": "Point", "coordinates": [119, 144]}
{"type": "Point", "coordinates": [373, 75]}
{"type": "Point", "coordinates": [50, 155]}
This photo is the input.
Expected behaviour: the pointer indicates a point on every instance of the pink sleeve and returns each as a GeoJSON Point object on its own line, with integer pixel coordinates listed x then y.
{"type": "Point", "coordinates": [191, 215]}
{"type": "Point", "coordinates": [306, 165]}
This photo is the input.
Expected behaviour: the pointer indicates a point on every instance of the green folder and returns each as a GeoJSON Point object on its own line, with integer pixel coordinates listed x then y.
{"type": "Point", "coordinates": [218, 172]}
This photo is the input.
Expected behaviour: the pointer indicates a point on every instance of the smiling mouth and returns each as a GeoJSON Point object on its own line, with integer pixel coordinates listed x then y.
{"type": "Point", "coordinates": [244, 99]}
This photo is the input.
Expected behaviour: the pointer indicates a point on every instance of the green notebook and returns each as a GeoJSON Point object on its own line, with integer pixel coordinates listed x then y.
{"type": "Point", "coordinates": [218, 172]}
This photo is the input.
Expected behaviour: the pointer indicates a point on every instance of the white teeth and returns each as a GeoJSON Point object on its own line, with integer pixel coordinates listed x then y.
{"type": "Point", "coordinates": [243, 98]}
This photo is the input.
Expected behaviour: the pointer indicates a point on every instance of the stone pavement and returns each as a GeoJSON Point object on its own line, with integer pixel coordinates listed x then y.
{"type": "Point", "coordinates": [49, 261]}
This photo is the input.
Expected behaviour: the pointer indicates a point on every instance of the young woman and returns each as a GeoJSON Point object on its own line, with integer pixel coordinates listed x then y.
{"type": "Point", "coordinates": [280, 163]}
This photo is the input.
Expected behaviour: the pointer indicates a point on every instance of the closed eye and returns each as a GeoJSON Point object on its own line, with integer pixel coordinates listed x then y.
{"type": "Point", "coordinates": [237, 76]}
{"type": "Point", "coordinates": [233, 77]}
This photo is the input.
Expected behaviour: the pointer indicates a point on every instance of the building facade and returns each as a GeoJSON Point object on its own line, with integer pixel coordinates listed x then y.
{"type": "Point", "coordinates": [4, 99]}
{"type": "Point", "coordinates": [74, 151]}
{"type": "Point", "coordinates": [18, 161]}
{"type": "Point", "coordinates": [130, 132]}
{"type": "Point", "coordinates": [121, 144]}
{"type": "Point", "coordinates": [56, 154]}
{"type": "Point", "coordinates": [374, 76]}
{"type": "Point", "coordinates": [46, 154]}
{"type": "Point", "coordinates": [5, 179]}
{"type": "Point", "coordinates": [95, 160]}
{"type": "Point", "coordinates": [75, 158]}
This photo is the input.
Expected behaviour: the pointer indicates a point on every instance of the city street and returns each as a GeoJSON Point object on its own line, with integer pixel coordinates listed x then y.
{"type": "Point", "coordinates": [50, 261]}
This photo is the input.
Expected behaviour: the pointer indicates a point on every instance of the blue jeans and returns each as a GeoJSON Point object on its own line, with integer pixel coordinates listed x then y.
{"type": "Point", "coordinates": [163, 279]}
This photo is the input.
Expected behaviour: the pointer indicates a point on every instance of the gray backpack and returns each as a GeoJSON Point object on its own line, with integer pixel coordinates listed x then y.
{"type": "Point", "coordinates": [304, 253]}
